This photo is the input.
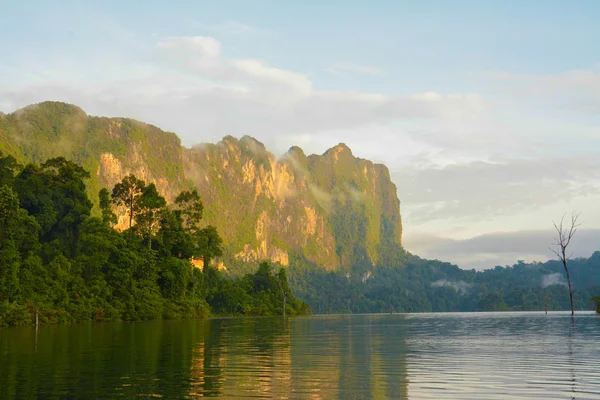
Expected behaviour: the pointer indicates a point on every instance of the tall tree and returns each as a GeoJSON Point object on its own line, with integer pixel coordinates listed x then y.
{"type": "Point", "coordinates": [190, 208]}
{"type": "Point", "coordinates": [105, 203]}
{"type": "Point", "coordinates": [150, 205]}
{"type": "Point", "coordinates": [282, 283]}
{"type": "Point", "coordinates": [18, 241]}
{"type": "Point", "coordinates": [209, 244]}
{"type": "Point", "coordinates": [560, 245]}
{"type": "Point", "coordinates": [126, 193]}
{"type": "Point", "coordinates": [55, 194]}
{"type": "Point", "coordinates": [8, 167]}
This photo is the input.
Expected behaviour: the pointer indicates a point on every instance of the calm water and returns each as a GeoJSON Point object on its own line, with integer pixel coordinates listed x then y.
{"type": "Point", "coordinates": [417, 356]}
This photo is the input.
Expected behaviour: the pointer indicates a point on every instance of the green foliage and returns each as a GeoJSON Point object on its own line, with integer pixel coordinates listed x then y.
{"type": "Point", "coordinates": [62, 264]}
{"type": "Point", "coordinates": [208, 244]}
{"type": "Point", "coordinates": [127, 193]}
{"type": "Point", "coordinates": [260, 293]}
{"type": "Point", "coordinates": [105, 204]}
{"type": "Point", "coordinates": [411, 284]}
{"type": "Point", "coordinates": [191, 209]}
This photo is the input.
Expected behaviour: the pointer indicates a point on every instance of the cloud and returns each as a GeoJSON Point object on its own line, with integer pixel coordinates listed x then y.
{"type": "Point", "coordinates": [193, 89]}
{"type": "Point", "coordinates": [461, 287]}
{"type": "Point", "coordinates": [205, 46]}
{"type": "Point", "coordinates": [339, 69]}
{"type": "Point", "coordinates": [500, 248]}
{"type": "Point", "coordinates": [259, 70]}
{"type": "Point", "coordinates": [553, 279]}
{"type": "Point", "coordinates": [575, 89]}
{"type": "Point", "coordinates": [502, 186]}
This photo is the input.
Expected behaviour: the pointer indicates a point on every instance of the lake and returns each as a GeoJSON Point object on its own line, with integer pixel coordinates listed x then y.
{"type": "Point", "coordinates": [416, 356]}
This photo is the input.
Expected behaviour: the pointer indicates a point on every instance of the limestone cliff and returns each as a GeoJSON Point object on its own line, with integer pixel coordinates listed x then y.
{"type": "Point", "coordinates": [334, 209]}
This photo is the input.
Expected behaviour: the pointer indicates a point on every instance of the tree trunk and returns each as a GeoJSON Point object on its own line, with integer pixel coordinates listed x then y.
{"type": "Point", "coordinates": [130, 215]}
{"type": "Point", "coordinates": [570, 289]}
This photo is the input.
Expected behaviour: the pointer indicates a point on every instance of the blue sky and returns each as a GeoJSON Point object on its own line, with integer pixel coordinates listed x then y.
{"type": "Point", "coordinates": [486, 112]}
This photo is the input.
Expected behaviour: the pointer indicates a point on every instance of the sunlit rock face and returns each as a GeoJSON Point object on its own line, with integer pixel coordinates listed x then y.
{"type": "Point", "coordinates": [334, 209]}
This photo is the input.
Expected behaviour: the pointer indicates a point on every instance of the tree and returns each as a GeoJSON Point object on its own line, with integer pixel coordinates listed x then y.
{"type": "Point", "coordinates": [209, 244]}
{"type": "Point", "coordinates": [149, 207]}
{"type": "Point", "coordinates": [282, 282]}
{"type": "Point", "coordinates": [126, 193]}
{"type": "Point", "coordinates": [8, 166]}
{"type": "Point", "coordinates": [105, 203]}
{"type": "Point", "coordinates": [19, 234]}
{"type": "Point", "coordinates": [175, 240]}
{"type": "Point", "coordinates": [9, 256]}
{"type": "Point", "coordinates": [55, 194]}
{"type": "Point", "coordinates": [190, 209]}
{"type": "Point", "coordinates": [561, 242]}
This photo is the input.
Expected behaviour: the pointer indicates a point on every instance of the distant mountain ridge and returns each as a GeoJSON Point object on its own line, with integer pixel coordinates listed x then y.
{"type": "Point", "coordinates": [335, 210]}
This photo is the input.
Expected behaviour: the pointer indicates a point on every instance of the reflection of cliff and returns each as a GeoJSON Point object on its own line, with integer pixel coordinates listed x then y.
{"type": "Point", "coordinates": [317, 358]}
{"type": "Point", "coordinates": [373, 366]}
{"type": "Point", "coordinates": [358, 357]}
{"type": "Point", "coordinates": [243, 358]}
{"type": "Point", "coordinates": [208, 361]}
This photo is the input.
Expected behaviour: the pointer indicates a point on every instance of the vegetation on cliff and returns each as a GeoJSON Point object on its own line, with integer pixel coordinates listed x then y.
{"type": "Point", "coordinates": [60, 264]}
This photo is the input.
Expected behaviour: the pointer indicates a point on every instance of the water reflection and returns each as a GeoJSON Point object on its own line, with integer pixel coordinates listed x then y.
{"type": "Point", "coordinates": [347, 357]}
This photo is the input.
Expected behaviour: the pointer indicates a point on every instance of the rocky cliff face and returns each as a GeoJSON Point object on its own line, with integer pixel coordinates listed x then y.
{"type": "Point", "coordinates": [335, 209]}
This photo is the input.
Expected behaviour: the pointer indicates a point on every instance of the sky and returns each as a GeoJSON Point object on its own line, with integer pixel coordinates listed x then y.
{"type": "Point", "coordinates": [487, 113]}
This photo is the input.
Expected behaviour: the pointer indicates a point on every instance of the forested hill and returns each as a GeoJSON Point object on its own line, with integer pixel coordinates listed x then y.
{"type": "Point", "coordinates": [335, 210]}
{"type": "Point", "coordinates": [429, 285]}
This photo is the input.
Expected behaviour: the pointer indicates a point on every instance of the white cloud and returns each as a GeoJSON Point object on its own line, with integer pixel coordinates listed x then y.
{"type": "Point", "coordinates": [488, 189]}
{"type": "Point", "coordinates": [199, 45]}
{"type": "Point", "coordinates": [499, 248]}
{"type": "Point", "coordinates": [575, 89]}
{"type": "Point", "coordinates": [191, 88]}
{"type": "Point", "coordinates": [258, 69]}
{"type": "Point", "coordinates": [460, 286]}
{"type": "Point", "coordinates": [553, 279]}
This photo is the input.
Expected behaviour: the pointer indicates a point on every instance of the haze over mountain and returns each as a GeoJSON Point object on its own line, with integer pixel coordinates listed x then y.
{"type": "Point", "coordinates": [486, 113]}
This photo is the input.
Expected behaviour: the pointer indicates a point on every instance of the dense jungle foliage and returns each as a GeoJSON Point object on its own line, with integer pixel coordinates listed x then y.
{"type": "Point", "coordinates": [413, 284]}
{"type": "Point", "coordinates": [61, 264]}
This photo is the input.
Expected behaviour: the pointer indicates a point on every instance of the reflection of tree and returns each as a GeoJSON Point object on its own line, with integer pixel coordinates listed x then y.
{"type": "Point", "coordinates": [213, 348]}
{"type": "Point", "coordinates": [331, 357]}
{"type": "Point", "coordinates": [572, 362]}
{"type": "Point", "coordinates": [207, 360]}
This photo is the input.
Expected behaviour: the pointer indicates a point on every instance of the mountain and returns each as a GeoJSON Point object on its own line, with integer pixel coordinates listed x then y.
{"type": "Point", "coordinates": [421, 285]}
{"type": "Point", "coordinates": [334, 210]}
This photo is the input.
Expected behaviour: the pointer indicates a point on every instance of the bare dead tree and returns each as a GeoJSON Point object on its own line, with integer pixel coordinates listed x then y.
{"type": "Point", "coordinates": [561, 242]}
